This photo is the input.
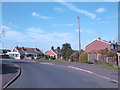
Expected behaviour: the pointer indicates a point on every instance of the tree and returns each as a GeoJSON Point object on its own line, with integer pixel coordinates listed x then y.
{"type": "Point", "coordinates": [58, 48]}
{"type": "Point", "coordinates": [52, 48]}
{"type": "Point", "coordinates": [66, 51]}
{"type": "Point", "coordinates": [84, 57]}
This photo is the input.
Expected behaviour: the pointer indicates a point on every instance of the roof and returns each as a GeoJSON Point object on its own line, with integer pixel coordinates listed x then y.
{"type": "Point", "coordinates": [23, 50]}
{"type": "Point", "coordinates": [100, 41]}
{"type": "Point", "coordinates": [56, 51]}
{"type": "Point", "coordinates": [12, 52]}
{"type": "Point", "coordinates": [4, 50]}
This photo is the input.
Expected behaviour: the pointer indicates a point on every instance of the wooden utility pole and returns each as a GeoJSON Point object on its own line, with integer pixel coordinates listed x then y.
{"type": "Point", "coordinates": [79, 36]}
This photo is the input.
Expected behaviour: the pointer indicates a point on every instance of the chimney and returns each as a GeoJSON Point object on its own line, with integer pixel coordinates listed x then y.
{"type": "Point", "coordinates": [99, 38]}
{"type": "Point", "coordinates": [23, 48]}
{"type": "Point", "coordinates": [16, 47]}
{"type": "Point", "coordinates": [36, 49]}
{"type": "Point", "coordinates": [113, 41]}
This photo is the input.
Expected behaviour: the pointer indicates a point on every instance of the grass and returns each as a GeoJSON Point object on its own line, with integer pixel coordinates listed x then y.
{"type": "Point", "coordinates": [106, 66]}
{"type": "Point", "coordinates": [54, 61]}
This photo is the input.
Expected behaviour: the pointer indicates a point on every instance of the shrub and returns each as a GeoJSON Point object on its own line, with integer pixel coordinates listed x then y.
{"type": "Point", "coordinates": [38, 57]}
{"type": "Point", "coordinates": [90, 62]}
{"type": "Point", "coordinates": [84, 57]}
{"type": "Point", "coordinates": [46, 57]}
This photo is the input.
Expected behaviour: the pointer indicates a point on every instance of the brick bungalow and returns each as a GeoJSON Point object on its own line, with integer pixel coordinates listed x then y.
{"type": "Point", "coordinates": [54, 53]}
{"type": "Point", "coordinates": [99, 44]}
{"type": "Point", "coordinates": [26, 53]}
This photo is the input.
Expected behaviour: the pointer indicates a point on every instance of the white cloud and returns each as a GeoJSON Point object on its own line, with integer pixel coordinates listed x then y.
{"type": "Point", "coordinates": [9, 33]}
{"type": "Point", "coordinates": [74, 8]}
{"type": "Point", "coordinates": [37, 35]}
{"type": "Point", "coordinates": [101, 10]}
{"type": "Point", "coordinates": [69, 25]}
{"type": "Point", "coordinates": [35, 30]}
{"type": "Point", "coordinates": [58, 9]}
{"type": "Point", "coordinates": [35, 14]}
{"type": "Point", "coordinates": [40, 16]}
{"type": "Point", "coordinates": [2, 30]}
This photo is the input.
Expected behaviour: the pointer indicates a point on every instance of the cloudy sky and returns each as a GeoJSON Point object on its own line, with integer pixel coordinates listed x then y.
{"type": "Point", "coordinates": [46, 24]}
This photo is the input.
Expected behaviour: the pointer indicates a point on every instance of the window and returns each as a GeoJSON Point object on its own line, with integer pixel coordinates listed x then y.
{"type": "Point", "coordinates": [16, 55]}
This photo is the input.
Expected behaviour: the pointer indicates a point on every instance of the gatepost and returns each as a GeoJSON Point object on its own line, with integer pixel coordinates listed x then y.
{"type": "Point", "coordinates": [118, 59]}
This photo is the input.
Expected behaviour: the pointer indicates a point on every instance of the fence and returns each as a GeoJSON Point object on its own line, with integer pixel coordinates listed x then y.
{"type": "Point", "coordinates": [101, 58]}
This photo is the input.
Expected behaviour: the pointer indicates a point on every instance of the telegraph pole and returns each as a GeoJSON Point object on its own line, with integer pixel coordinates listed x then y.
{"type": "Point", "coordinates": [79, 36]}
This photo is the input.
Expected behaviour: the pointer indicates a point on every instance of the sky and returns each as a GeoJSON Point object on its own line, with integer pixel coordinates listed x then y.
{"type": "Point", "coordinates": [46, 24]}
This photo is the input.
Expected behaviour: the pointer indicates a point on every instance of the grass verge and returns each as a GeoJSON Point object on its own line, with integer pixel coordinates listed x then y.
{"type": "Point", "coordinates": [54, 61]}
{"type": "Point", "coordinates": [106, 66]}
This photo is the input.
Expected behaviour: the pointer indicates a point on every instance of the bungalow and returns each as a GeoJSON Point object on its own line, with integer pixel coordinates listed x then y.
{"type": "Point", "coordinates": [99, 44]}
{"type": "Point", "coordinates": [4, 51]}
{"type": "Point", "coordinates": [54, 53]}
{"type": "Point", "coordinates": [14, 55]}
{"type": "Point", "coordinates": [26, 53]}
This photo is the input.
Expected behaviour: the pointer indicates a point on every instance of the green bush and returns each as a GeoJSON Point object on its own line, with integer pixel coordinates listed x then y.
{"type": "Point", "coordinates": [38, 58]}
{"type": "Point", "coordinates": [52, 58]}
{"type": "Point", "coordinates": [46, 57]}
{"type": "Point", "coordinates": [84, 57]}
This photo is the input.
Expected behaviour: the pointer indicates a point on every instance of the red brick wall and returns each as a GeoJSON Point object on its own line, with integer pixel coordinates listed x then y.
{"type": "Point", "coordinates": [51, 53]}
{"type": "Point", "coordinates": [96, 45]}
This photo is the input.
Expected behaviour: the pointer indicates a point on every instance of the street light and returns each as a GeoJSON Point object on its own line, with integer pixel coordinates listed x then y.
{"type": "Point", "coordinates": [79, 35]}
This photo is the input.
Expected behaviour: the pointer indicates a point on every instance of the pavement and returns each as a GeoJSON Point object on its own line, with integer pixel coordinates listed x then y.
{"type": "Point", "coordinates": [10, 72]}
{"type": "Point", "coordinates": [36, 74]}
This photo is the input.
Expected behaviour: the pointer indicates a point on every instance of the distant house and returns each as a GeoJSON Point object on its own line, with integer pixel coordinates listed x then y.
{"type": "Point", "coordinates": [4, 51]}
{"type": "Point", "coordinates": [99, 44]}
{"type": "Point", "coordinates": [54, 53]}
{"type": "Point", "coordinates": [26, 53]}
{"type": "Point", "coordinates": [14, 55]}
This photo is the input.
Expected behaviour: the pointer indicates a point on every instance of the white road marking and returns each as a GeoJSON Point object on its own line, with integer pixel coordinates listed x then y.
{"type": "Point", "coordinates": [47, 63]}
{"type": "Point", "coordinates": [93, 73]}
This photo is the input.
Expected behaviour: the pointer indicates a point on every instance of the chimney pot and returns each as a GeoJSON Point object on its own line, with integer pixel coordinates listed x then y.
{"type": "Point", "coordinates": [99, 38]}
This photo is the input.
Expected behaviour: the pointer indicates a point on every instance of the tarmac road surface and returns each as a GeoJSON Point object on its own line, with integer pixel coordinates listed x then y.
{"type": "Point", "coordinates": [47, 75]}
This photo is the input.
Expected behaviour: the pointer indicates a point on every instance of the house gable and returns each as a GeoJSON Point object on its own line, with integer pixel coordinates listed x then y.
{"type": "Point", "coordinates": [51, 53]}
{"type": "Point", "coordinates": [97, 45]}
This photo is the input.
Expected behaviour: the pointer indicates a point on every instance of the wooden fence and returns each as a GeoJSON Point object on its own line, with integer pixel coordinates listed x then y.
{"type": "Point", "coordinates": [101, 58]}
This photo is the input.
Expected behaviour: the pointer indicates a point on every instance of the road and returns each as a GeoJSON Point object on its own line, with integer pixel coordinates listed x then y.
{"type": "Point", "coordinates": [45, 75]}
